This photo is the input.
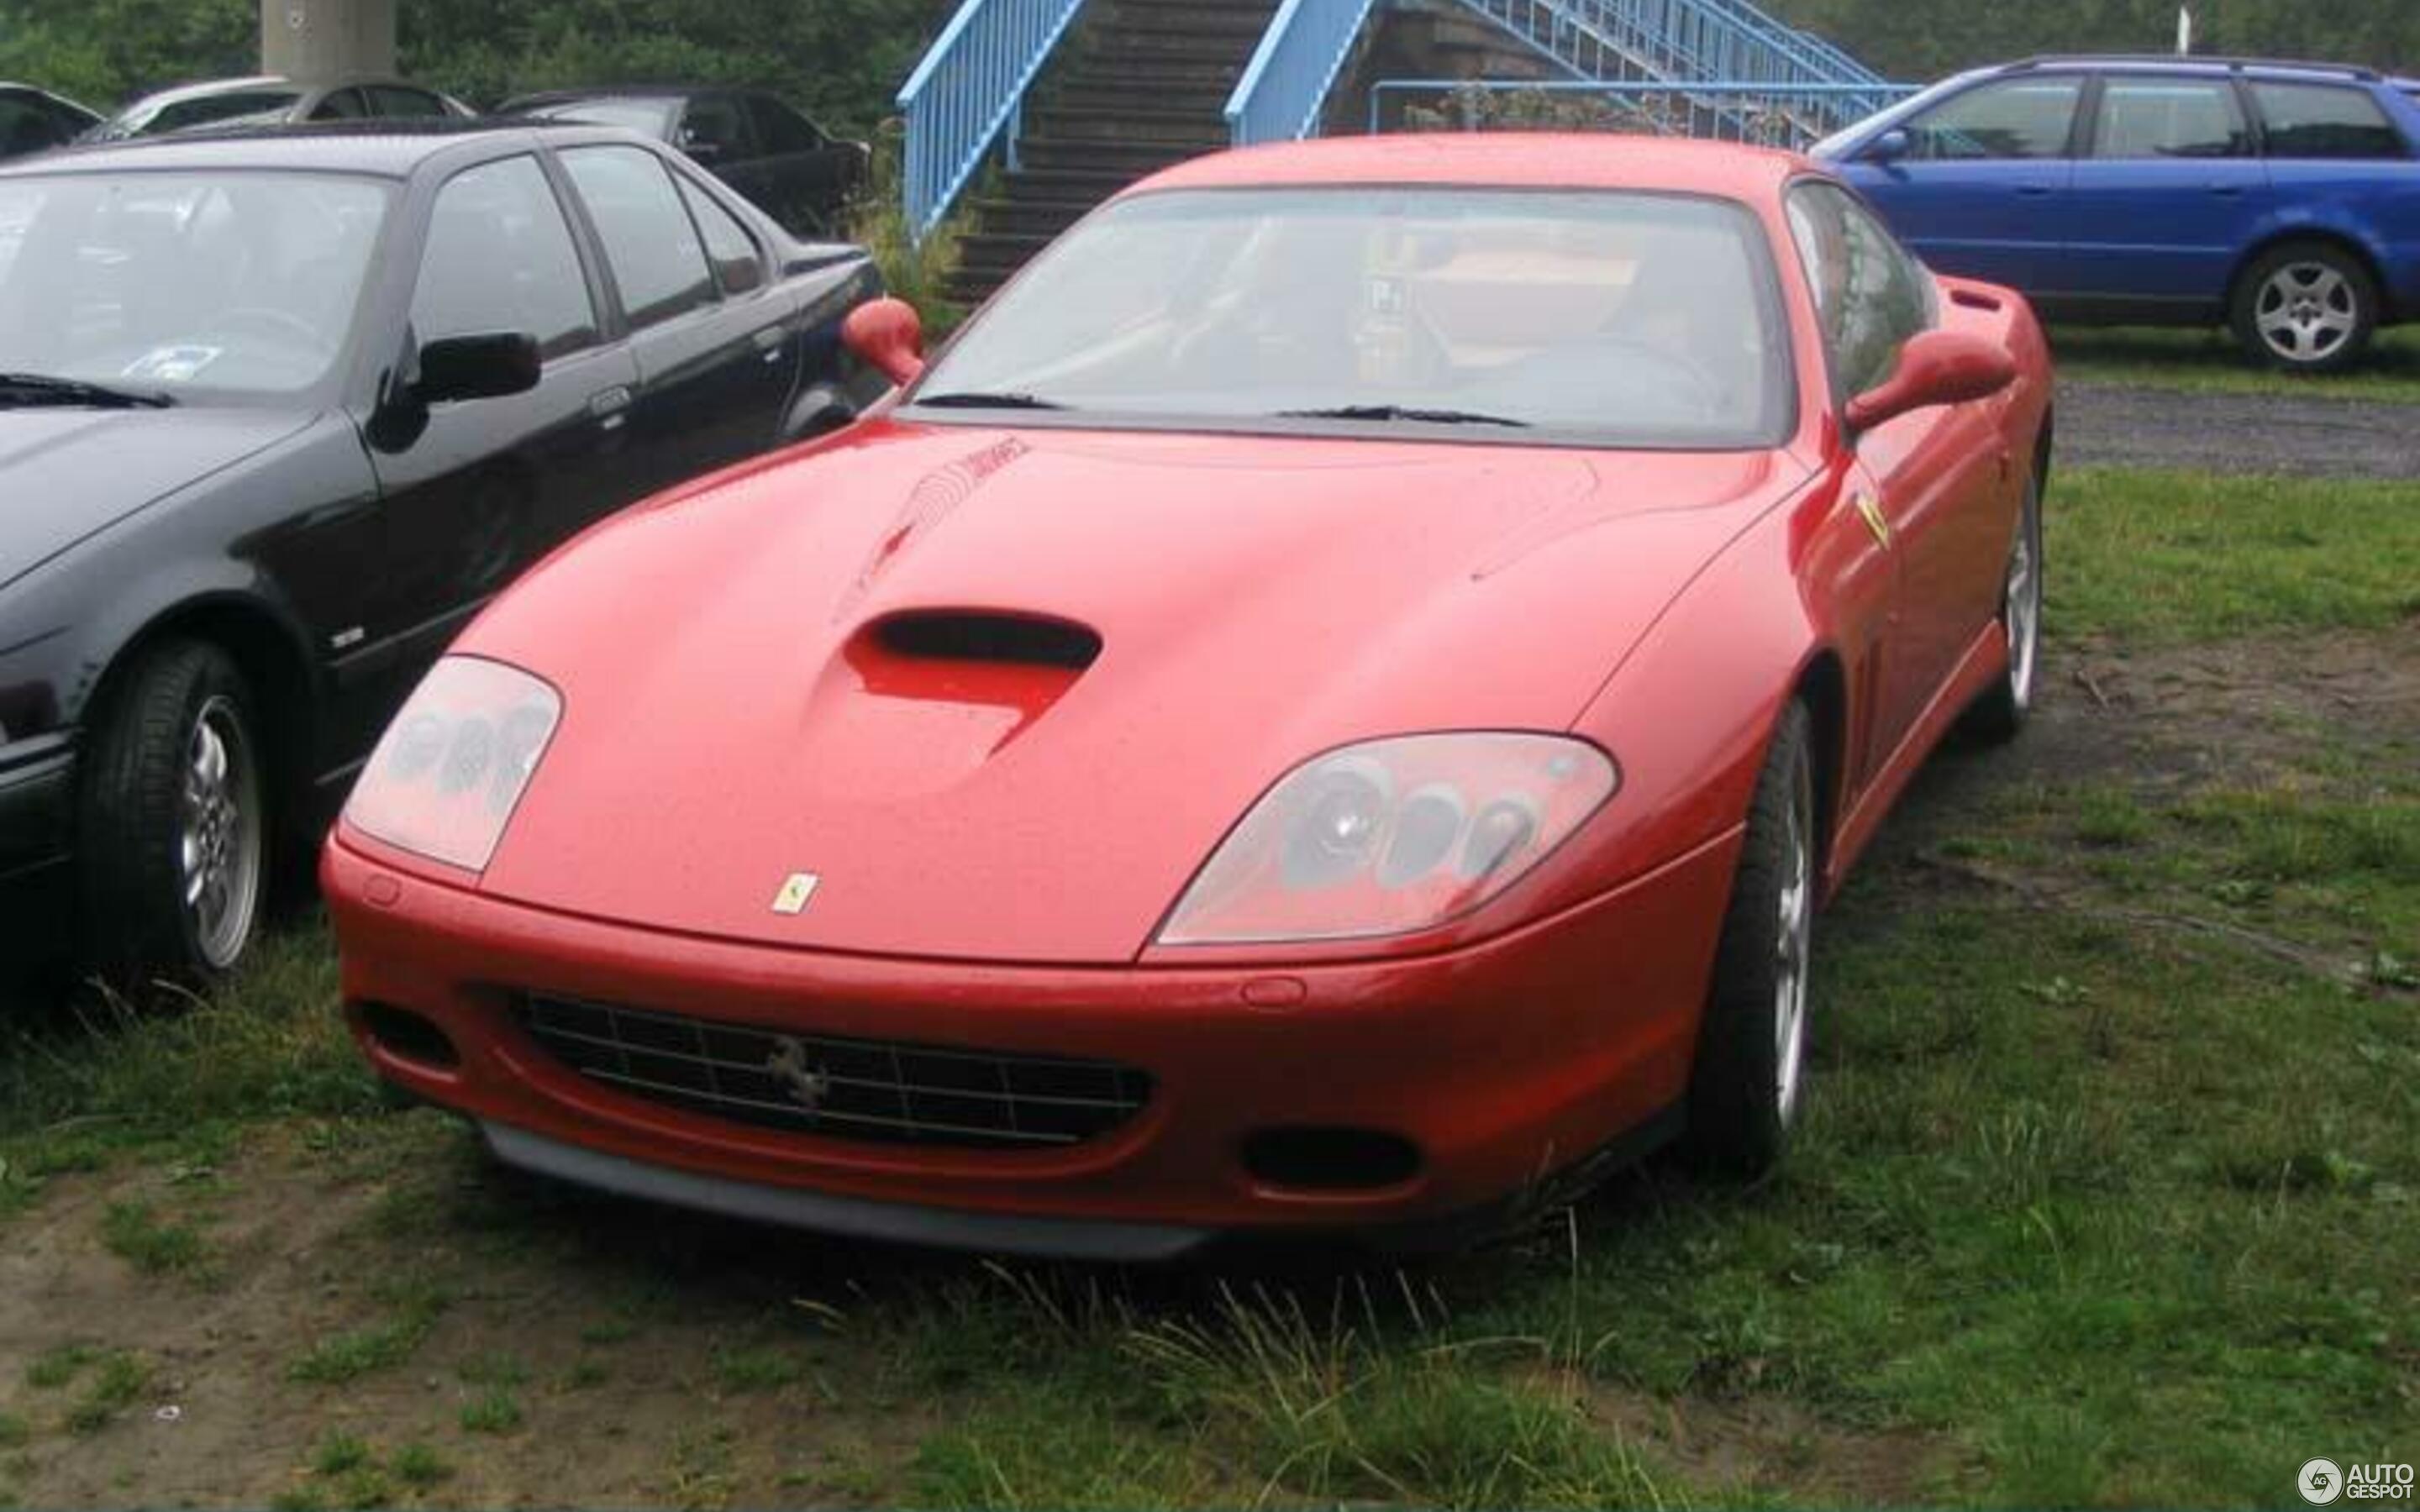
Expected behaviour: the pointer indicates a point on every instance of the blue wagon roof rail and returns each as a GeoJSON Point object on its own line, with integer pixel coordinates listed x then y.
{"type": "Point", "coordinates": [2189, 60]}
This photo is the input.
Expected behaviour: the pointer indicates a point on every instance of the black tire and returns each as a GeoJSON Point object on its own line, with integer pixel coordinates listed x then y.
{"type": "Point", "coordinates": [2001, 713]}
{"type": "Point", "coordinates": [2305, 307]}
{"type": "Point", "coordinates": [1746, 1085]}
{"type": "Point", "coordinates": [139, 810]}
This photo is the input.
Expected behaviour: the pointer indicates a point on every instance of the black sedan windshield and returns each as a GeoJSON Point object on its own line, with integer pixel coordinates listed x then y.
{"type": "Point", "coordinates": [1617, 318]}
{"type": "Point", "coordinates": [232, 282]}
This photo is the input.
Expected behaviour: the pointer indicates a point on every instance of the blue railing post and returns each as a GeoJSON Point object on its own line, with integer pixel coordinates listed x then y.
{"type": "Point", "coordinates": [969, 87]}
{"type": "Point", "coordinates": [1283, 88]}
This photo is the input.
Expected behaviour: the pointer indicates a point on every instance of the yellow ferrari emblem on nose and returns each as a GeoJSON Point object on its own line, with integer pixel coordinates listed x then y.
{"type": "Point", "coordinates": [794, 892]}
{"type": "Point", "coordinates": [1872, 509]}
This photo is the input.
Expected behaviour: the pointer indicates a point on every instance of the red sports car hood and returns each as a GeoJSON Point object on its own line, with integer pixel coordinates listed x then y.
{"type": "Point", "coordinates": [801, 668]}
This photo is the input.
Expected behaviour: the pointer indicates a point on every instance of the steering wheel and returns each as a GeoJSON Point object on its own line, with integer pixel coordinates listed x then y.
{"type": "Point", "coordinates": [278, 323]}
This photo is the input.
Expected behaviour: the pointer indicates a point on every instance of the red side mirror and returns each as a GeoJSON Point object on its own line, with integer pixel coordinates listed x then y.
{"type": "Point", "coordinates": [1934, 367]}
{"type": "Point", "coordinates": [888, 335]}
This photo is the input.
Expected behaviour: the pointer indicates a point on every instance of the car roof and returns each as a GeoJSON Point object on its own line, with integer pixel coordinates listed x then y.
{"type": "Point", "coordinates": [1514, 160]}
{"type": "Point", "coordinates": [391, 149]}
{"type": "Point", "coordinates": [624, 91]}
{"type": "Point", "coordinates": [2192, 64]}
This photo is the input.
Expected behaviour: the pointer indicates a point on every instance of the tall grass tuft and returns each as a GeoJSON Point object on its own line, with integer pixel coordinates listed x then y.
{"type": "Point", "coordinates": [917, 273]}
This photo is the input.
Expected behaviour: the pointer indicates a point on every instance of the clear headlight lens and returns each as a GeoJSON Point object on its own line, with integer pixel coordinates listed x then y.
{"type": "Point", "coordinates": [1391, 836]}
{"type": "Point", "coordinates": [448, 772]}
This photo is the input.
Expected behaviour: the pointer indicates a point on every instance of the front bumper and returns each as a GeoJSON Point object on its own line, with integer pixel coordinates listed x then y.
{"type": "Point", "coordinates": [1504, 1063]}
{"type": "Point", "coordinates": [37, 825]}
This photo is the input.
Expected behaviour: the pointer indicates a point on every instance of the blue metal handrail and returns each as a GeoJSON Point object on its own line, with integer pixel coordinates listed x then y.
{"type": "Point", "coordinates": [972, 85]}
{"type": "Point", "coordinates": [1735, 110]}
{"type": "Point", "coordinates": [1282, 89]}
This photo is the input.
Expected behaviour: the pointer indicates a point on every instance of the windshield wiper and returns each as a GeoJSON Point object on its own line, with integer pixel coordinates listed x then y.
{"type": "Point", "coordinates": [973, 401]}
{"type": "Point", "coordinates": [1396, 411]}
{"type": "Point", "coordinates": [41, 388]}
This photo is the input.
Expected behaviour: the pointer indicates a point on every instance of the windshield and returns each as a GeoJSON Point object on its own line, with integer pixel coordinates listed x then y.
{"type": "Point", "coordinates": [648, 118]}
{"type": "Point", "coordinates": [199, 110]}
{"type": "Point", "coordinates": [1605, 319]}
{"type": "Point", "coordinates": [227, 282]}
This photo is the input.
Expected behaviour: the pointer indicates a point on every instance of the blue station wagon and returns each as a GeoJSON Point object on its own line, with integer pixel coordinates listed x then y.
{"type": "Point", "coordinates": [2282, 198]}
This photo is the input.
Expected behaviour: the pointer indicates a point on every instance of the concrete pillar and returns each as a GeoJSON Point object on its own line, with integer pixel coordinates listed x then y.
{"type": "Point", "coordinates": [313, 40]}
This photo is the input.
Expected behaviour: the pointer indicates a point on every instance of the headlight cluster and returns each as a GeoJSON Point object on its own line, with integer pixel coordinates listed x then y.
{"type": "Point", "coordinates": [447, 773]}
{"type": "Point", "coordinates": [1391, 836]}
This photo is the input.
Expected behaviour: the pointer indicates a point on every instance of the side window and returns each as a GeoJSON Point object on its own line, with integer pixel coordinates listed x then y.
{"type": "Point", "coordinates": [1871, 296]}
{"type": "Point", "coordinates": [716, 131]}
{"type": "Point", "coordinates": [500, 258]}
{"type": "Point", "coordinates": [780, 128]}
{"type": "Point", "coordinates": [649, 242]}
{"type": "Point", "coordinates": [23, 127]}
{"type": "Point", "coordinates": [2026, 117]}
{"type": "Point", "coordinates": [392, 100]}
{"type": "Point", "coordinates": [344, 105]}
{"type": "Point", "coordinates": [2142, 117]}
{"type": "Point", "coordinates": [738, 266]}
{"type": "Point", "coordinates": [2318, 120]}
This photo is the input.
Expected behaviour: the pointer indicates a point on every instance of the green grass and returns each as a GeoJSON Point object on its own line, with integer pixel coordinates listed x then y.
{"type": "Point", "coordinates": [495, 1410]}
{"type": "Point", "coordinates": [740, 1370]}
{"type": "Point", "coordinates": [419, 1466]}
{"type": "Point", "coordinates": [135, 1234]}
{"type": "Point", "coordinates": [119, 1378]}
{"type": "Point", "coordinates": [2156, 557]}
{"type": "Point", "coordinates": [340, 1358]}
{"type": "Point", "coordinates": [2210, 362]}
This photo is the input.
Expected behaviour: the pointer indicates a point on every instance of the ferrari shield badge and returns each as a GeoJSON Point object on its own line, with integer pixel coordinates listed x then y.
{"type": "Point", "coordinates": [795, 890]}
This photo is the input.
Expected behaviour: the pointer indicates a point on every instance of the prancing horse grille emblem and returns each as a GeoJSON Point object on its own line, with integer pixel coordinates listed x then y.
{"type": "Point", "coordinates": [807, 1083]}
{"type": "Point", "coordinates": [796, 890]}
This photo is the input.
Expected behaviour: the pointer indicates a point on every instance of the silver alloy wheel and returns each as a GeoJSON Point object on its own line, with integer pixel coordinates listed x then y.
{"type": "Point", "coordinates": [2306, 311]}
{"type": "Point", "coordinates": [218, 848]}
{"type": "Point", "coordinates": [1794, 942]}
{"type": "Point", "coordinates": [2021, 611]}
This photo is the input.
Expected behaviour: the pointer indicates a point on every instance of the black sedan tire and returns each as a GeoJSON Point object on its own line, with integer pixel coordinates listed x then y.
{"type": "Point", "coordinates": [1745, 1087]}
{"type": "Point", "coordinates": [174, 833]}
{"type": "Point", "coordinates": [2306, 307]}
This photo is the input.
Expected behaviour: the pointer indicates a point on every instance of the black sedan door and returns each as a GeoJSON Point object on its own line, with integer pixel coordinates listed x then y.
{"type": "Point", "coordinates": [488, 485]}
{"type": "Point", "coordinates": [807, 176]}
{"type": "Point", "coordinates": [716, 356]}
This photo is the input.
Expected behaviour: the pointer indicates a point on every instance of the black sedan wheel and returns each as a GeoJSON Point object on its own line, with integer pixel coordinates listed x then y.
{"type": "Point", "coordinates": [1748, 1082]}
{"type": "Point", "coordinates": [2306, 307]}
{"type": "Point", "coordinates": [174, 833]}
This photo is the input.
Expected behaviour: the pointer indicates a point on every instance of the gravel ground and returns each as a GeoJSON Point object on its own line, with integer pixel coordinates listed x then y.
{"type": "Point", "coordinates": [2129, 426]}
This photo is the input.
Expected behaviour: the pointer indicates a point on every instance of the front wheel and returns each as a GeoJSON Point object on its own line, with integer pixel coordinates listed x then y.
{"type": "Point", "coordinates": [2306, 307]}
{"type": "Point", "coordinates": [2001, 712]}
{"type": "Point", "coordinates": [1748, 1081]}
{"type": "Point", "coordinates": [174, 838]}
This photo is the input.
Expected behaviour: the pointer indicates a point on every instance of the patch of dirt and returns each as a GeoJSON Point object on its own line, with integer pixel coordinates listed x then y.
{"type": "Point", "coordinates": [1764, 1444]}
{"type": "Point", "coordinates": [2248, 433]}
{"type": "Point", "coordinates": [622, 1404]}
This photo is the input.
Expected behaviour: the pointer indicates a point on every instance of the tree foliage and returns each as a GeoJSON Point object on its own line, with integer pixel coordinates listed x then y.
{"type": "Point", "coordinates": [842, 60]}
{"type": "Point", "coordinates": [1922, 39]}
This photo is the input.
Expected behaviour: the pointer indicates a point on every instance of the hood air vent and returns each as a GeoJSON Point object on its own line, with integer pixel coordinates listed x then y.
{"type": "Point", "coordinates": [977, 635]}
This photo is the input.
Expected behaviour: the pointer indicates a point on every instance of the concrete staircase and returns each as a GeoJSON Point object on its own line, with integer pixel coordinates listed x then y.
{"type": "Point", "coordinates": [1138, 85]}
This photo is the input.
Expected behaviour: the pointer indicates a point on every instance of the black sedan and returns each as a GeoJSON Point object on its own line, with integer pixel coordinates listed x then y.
{"type": "Point", "coordinates": [794, 170]}
{"type": "Point", "coordinates": [34, 120]}
{"type": "Point", "coordinates": [279, 413]}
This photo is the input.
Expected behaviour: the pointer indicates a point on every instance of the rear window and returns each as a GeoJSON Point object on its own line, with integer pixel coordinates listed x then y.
{"type": "Point", "coordinates": [2318, 120]}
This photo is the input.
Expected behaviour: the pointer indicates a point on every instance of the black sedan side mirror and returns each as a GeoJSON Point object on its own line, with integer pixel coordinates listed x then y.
{"type": "Point", "coordinates": [486, 366]}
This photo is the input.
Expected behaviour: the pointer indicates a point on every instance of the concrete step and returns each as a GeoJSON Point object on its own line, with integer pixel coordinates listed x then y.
{"type": "Point", "coordinates": [1204, 101]}
{"type": "Point", "coordinates": [1088, 155]}
{"type": "Point", "coordinates": [1199, 130]}
{"type": "Point", "coordinates": [1025, 217]}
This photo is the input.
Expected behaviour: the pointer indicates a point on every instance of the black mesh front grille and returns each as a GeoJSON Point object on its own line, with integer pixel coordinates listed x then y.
{"type": "Point", "coordinates": [875, 1089]}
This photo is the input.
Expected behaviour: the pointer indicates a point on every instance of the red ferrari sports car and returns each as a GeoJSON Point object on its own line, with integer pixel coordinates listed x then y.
{"type": "Point", "coordinates": [1330, 708]}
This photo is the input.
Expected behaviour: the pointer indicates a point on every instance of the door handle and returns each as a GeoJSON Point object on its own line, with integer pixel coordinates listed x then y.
{"type": "Point", "coordinates": [771, 341]}
{"type": "Point", "coordinates": [2035, 190]}
{"type": "Point", "coordinates": [612, 406]}
{"type": "Point", "coordinates": [2228, 191]}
